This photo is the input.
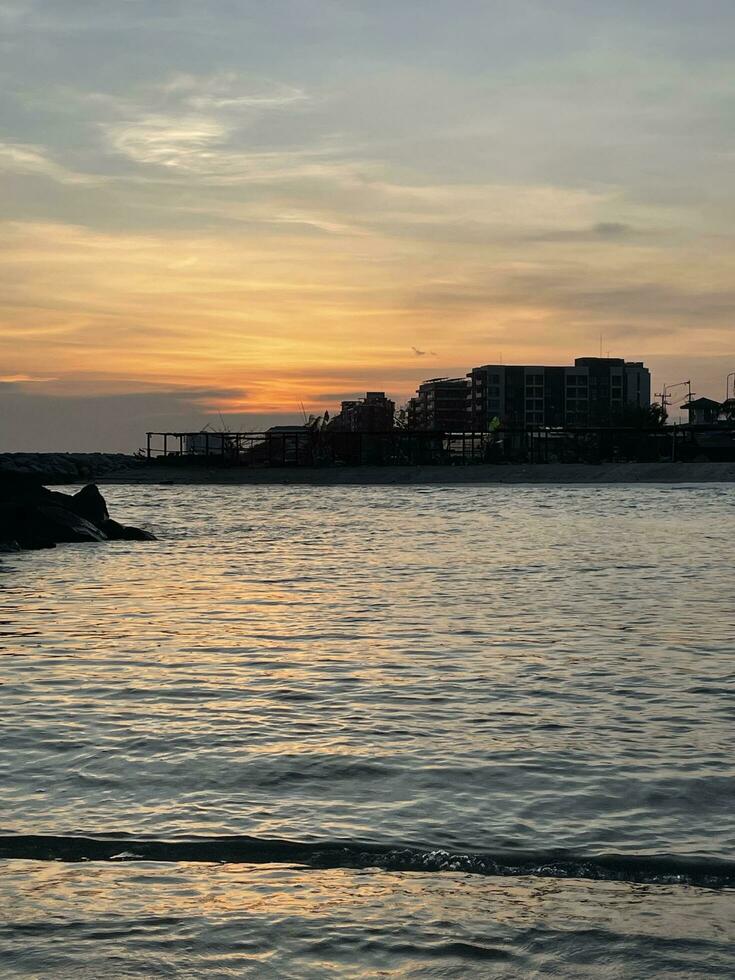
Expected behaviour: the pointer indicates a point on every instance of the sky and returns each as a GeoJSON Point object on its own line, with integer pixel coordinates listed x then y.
{"type": "Point", "coordinates": [215, 211]}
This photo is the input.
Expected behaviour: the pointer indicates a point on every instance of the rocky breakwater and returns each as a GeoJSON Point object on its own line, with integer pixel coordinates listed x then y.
{"type": "Point", "coordinates": [31, 516]}
{"type": "Point", "coordinates": [70, 467]}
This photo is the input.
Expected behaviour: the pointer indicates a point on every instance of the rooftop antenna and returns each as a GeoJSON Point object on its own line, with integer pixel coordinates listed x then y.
{"type": "Point", "coordinates": [303, 412]}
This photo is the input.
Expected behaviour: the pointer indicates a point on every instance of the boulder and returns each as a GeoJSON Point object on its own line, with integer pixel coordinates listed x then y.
{"type": "Point", "coordinates": [64, 526]}
{"type": "Point", "coordinates": [35, 517]}
{"type": "Point", "coordinates": [20, 488]}
{"type": "Point", "coordinates": [121, 532]}
{"type": "Point", "coordinates": [90, 504]}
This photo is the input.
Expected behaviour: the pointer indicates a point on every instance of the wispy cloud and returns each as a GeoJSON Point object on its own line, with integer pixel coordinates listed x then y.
{"type": "Point", "coordinates": [198, 125]}
{"type": "Point", "coordinates": [229, 91]}
{"type": "Point", "coordinates": [24, 379]}
{"type": "Point", "coordinates": [28, 158]}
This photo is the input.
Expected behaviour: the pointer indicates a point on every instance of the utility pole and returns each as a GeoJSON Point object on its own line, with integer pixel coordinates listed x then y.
{"type": "Point", "coordinates": [664, 393]}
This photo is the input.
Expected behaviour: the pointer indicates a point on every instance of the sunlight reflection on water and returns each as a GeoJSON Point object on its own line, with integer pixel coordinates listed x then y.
{"type": "Point", "coordinates": [474, 667]}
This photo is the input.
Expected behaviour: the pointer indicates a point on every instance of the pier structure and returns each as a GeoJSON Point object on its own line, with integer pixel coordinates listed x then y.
{"type": "Point", "coordinates": [307, 446]}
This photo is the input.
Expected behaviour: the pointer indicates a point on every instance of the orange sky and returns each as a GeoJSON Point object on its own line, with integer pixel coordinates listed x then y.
{"type": "Point", "coordinates": [301, 210]}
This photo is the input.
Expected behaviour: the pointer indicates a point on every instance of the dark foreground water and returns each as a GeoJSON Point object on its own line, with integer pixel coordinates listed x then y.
{"type": "Point", "coordinates": [374, 731]}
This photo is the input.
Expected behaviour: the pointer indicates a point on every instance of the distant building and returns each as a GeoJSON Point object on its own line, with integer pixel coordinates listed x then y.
{"type": "Point", "coordinates": [594, 392]}
{"type": "Point", "coordinates": [440, 404]}
{"type": "Point", "coordinates": [373, 413]}
{"type": "Point", "coordinates": [703, 411]}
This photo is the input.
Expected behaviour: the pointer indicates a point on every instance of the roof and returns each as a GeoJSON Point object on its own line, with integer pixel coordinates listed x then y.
{"type": "Point", "coordinates": [702, 403]}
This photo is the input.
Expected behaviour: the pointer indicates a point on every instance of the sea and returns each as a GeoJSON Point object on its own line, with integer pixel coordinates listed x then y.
{"type": "Point", "coordinates": [382, 731]}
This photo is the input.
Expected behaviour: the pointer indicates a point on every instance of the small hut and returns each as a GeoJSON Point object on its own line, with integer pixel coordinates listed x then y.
{"type": "Point", "coordinates": [703, 411]}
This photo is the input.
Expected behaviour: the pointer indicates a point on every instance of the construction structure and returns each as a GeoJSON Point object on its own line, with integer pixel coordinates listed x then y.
{"type": "Point", "coordinates": [309, 446]}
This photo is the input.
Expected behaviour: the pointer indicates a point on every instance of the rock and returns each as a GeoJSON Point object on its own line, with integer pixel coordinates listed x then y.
{"type": "Point", "coordinates": [8, 547]}
{"type": "Point", "coordinates": [20, 487]}
{"type": "Point", "coordinates": [67, 467]}
{"type": "Point", "coordinates": [34, 517]}
{"type": "Point", "coordinates": [121, 532]}
{"type": "Point", "coordinates": [64, 526]}
{"type": "Point", "coordinates": [32, 541]}
{"type": "Point", "coordinates": [90, 504]}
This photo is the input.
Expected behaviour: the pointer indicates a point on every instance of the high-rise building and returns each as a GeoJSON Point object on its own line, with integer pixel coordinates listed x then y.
{"type": "Point", "coordinates": [594, 392]}
{"type": "Point", "coordinates": [373, 413]}
{"type": "Point", "coordinates": [440, 404]}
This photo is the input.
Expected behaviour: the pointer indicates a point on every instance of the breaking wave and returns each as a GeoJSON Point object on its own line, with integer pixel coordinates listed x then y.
{"type": "Point", "coordinates": [657, 870]}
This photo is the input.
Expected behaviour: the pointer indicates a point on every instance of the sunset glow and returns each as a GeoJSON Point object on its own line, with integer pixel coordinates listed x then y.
{"type": "Point", "coordinates": [330, 198]}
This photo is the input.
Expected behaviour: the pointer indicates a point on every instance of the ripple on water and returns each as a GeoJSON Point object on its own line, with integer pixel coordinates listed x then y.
{"type": "Point", "coordinates": [468, 668]}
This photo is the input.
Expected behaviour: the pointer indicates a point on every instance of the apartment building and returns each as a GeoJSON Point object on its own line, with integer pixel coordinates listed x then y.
{"type": "Point", "coordinates": [440, 404]}
{"type": "Point", "coordinates": [592, 392]}
{"type": "Point", "coordinates": [373, 413]}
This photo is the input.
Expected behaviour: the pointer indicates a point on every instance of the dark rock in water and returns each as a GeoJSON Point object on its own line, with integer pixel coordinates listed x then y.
{"type": "Point", "coordinates": [20, 487]}
{"type": "Point", "coordinates": [7, 547]}
{"type": "Point", "coordinates": [90, 504]}
{"type": "Point", "coordinates": [63, 525]}
{"type": "Point", "coordinates": [35, 517]}
{"type": "Point", "coordinates": [120, 532]}
{"type": "Point", "coordinates": [20, 523]}
{"type": "Point", "coordinates": [34, 541]}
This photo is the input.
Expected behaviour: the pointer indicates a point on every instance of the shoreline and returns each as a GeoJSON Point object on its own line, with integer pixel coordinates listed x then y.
{"type": "Point", "coordinates": [109, 468]}
{"type": "Point", "coordinates": [539, 474]}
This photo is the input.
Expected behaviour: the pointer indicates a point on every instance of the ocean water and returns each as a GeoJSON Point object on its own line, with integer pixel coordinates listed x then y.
{"type": "Point", "coordinates": [381, 731]}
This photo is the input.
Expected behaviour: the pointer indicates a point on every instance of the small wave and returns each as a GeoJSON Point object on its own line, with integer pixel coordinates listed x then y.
{"type": "Point", "coordinates": [657, 870]}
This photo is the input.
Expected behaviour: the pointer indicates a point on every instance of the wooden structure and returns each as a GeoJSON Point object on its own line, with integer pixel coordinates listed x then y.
{"type": "Point", "coordinates": [306, 446]}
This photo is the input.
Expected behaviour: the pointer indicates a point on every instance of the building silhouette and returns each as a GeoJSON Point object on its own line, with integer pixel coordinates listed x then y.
{"type": "Point", "coordinates": [440, 404]}
{"type": "Point", "coordinates": [703, 411]}
{"type": "Point", "coordinates": [373, 413]}
{"type": "Point", "coordinates": [596, 391]}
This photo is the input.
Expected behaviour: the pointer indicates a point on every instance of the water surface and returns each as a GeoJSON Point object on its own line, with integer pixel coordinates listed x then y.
{"type": "Point", "coordinates": [443, 730]}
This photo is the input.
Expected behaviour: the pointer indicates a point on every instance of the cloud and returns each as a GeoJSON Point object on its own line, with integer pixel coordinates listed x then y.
{"type": "Point", "coordinates": [43, 422]}
{"type": "Point", "coordinates": [26, 158]}
{"type": "Point", "coordinates": [23, 379]}
{"type": "Point", "coordinates": [186, 142]}
{"type": "Point", "coordinates": [201, 126]}
{"type": "Point", "coordinates": [230, 91]}
{"type": "Point", "coordinates": [292, 194]}
{"type": "Point", "coordinates": [337, 396]}
{"type": "Point", "coordinates": [602, 231]}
